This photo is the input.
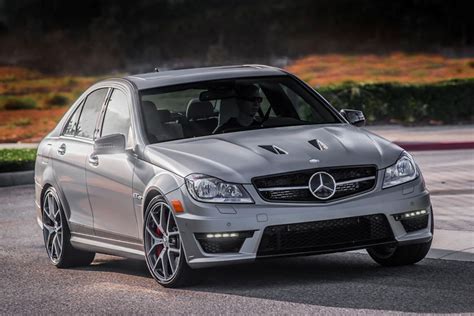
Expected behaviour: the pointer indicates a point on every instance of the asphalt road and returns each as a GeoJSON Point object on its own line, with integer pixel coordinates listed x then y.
{"type": "Point", "coordinates": [339, 283]}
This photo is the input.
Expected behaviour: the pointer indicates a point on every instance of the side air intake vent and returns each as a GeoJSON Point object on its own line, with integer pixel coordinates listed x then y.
{"type": "Point", "coordinates": [274, 149]}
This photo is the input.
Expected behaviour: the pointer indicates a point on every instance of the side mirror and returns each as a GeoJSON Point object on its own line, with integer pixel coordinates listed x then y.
{"type": "Point", "coordinates": [110, 144]}
{"type": "Point", "coordinates": [354, 117]}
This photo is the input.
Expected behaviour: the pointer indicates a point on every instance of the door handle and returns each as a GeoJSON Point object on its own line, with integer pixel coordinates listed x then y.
{"type": "Point", "coordinates": [93, 160]}
{"type": "Point", "coordinates": [62, 149]}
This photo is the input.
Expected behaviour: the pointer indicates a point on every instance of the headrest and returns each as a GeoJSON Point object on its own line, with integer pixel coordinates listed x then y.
{"type": "Point", "coordinates": [152, 115]}
{"type": "Point", "coordinates": [198, 109]}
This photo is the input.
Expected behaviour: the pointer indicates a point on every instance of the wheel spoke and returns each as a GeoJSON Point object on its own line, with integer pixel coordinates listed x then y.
{"type": "Point", "coordinates": [48, 227]}
{"type": "Point", "coordinates": [47, 209]}
{"type": "Point", "coordinates": [151, 233]}
{"type": "Point", "coordinates": [168, 223]}
{"type": "Point", "coordinates": [157, 241]}
{"type": "Point", "coordinates": [58, 245]}
{"type": "Point", "coordinates": [55, 209]}
{"type": "Point", "coordinates": [173, 233]}
{"type": "Point", "coordinates": [54, 247]}
{"type": "Point", "coordinates": [49, 243]}
{"type": "Point", "coordinates": [171, 262]}
{"type": "Point", "coordinates": [162, 220]}
{"type": "Point", "coordinates": [157, 222]}
{"type": "Point", "coordinates": [164, 264]}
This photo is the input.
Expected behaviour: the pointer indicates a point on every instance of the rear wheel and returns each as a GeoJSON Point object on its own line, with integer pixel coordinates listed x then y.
{"type": "Point", "coordinates": [56, 235]}
{"type": "Point", "coordinates": [163, 246]}
{"type": "Point", "coordinates": [399, 255]}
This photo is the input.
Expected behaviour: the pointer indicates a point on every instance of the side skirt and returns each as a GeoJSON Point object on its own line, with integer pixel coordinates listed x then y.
{"type": "Point", "coordinates": [107, 246]}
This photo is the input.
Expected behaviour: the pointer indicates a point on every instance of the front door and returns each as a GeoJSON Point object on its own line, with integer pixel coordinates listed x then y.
{"type": "Point", "coordinates": [109, 177]}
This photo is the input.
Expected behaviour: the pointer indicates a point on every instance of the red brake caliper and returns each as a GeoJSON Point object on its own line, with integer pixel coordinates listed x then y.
{"type": "Point", "coordinates": [159, 248]}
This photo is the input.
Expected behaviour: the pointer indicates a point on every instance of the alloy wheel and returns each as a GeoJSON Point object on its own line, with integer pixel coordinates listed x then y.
{"type": "Point", "coordinates": [52, 226]}
{"type": "Point", "coordinates": [162, 242]}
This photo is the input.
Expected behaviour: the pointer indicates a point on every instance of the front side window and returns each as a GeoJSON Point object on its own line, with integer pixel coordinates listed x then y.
{"type": "Point", "coordinates": [117, 115]}
{"type": "Point", "coordinates": [90, 113]}
{"type": "Point", "coordinates": [230, 105]}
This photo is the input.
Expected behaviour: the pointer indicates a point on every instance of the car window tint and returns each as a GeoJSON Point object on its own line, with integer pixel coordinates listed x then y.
{"type": "Point", "coordinates": [89, 114]}
{"type": "Point", "coordinates": [117, 116]}
{"type": "Point", "coordinates": [203, 108]}
{"type": "Point", "coordinates": [71, 125]}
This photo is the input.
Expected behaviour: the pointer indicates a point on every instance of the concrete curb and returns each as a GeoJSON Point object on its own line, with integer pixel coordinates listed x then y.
{"type": "Point", "coordinates": [424, 146]}
{"type": "Point", "coordinates": [17, 178]}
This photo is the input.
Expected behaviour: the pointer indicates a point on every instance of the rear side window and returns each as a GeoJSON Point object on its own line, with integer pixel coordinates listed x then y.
{"type": "Point", "coordinates": [71, 125]}
{"type": "Point", "coordinates": [117, 116]}
{"type": "Point", "coordinates": [90, 112]}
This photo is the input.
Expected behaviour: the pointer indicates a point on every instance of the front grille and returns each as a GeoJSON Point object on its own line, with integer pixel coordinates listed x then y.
{"type": "Point", "coordinates": [294, 186]}
{"type": "Point", "coordinates": [326, 236]}
{"type": "Point", "coordinates": [416, 223]}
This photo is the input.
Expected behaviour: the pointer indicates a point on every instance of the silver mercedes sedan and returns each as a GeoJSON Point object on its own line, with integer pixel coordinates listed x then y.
{"type": "Point", "coordinates": [196, 168]}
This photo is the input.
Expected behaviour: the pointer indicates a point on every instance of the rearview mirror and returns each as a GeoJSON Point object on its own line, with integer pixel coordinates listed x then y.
{"type": "Point", "coordinates": [354, 117]}
{"type": "Point", "coordinates": [110, 144]}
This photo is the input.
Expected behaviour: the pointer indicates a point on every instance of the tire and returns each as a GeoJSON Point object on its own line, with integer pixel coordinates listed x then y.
{"type": "Point", "coordinates": [402, 255]}
{"type": "Point", "coordinates": [399, 255]}
{"type": "Point", "coordinates": [164, 251]}
{"type": "Point", "coordinates": [56, 234]}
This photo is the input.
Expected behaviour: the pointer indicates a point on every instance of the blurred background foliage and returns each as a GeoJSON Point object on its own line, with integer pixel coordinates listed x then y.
{"type": "Point", "coordinates": [407, 61]}
{"type": "Point", "coordinates": [101, 36]}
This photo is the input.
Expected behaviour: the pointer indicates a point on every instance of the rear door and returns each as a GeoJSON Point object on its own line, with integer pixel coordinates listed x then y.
{"type": "Point", "coordinates": [109, 176]}
{"type": "Point", "coordinates": [70, 154]}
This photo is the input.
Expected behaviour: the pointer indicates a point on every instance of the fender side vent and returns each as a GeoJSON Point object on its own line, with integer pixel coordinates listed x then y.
{"type": "Point", "coordinates": [274, 149]}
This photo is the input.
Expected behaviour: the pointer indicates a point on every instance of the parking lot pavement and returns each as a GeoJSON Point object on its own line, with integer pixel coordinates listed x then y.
{"type": "Point", "coordinates": [346, 283]}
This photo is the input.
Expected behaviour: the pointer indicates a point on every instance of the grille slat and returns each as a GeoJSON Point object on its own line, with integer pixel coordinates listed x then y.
{"type": "Point", "coordinates": [328, 235]}
{"type": "Point", "coordinates": [350, 181]}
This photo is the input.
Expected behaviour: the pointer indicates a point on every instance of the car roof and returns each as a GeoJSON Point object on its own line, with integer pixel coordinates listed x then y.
{"type": "Point", "coordinates": [174, 77]}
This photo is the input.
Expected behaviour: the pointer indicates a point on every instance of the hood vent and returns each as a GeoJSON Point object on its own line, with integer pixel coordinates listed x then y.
{"type": "Point", "coordinates": [318, 144]}
{"type": "Point", "coordinates": [274, 149]}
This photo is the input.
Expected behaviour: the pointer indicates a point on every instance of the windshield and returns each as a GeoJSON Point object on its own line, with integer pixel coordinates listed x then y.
{"type": "Point", "coordinates": [227, 106]}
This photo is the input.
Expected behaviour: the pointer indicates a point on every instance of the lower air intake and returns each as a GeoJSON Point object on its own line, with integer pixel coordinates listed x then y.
{"type": "Point", "coordinates": [325, 236]}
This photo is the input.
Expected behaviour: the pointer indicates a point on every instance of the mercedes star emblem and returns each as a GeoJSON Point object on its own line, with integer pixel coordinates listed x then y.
{"type": "Point", "coordinates": [322, 185]}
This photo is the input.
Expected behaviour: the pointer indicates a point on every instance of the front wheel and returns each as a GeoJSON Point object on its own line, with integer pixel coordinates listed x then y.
{"type": "Point", "coordinates": [399, 255]}
{"type": "Point", "coordinates": [163, 246]}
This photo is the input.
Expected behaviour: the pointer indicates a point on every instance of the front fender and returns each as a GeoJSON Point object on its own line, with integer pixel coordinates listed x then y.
{"type": "Point", "coordinates": [150, 180]}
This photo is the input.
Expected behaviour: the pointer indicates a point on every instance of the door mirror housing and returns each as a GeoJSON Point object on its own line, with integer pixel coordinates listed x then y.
{"type": "Point", "coordinates": [354, 117]}
{"type": "Point", "coordinates": [110, 144]}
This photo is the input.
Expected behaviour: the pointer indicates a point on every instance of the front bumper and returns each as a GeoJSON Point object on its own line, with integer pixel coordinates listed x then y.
{"type": "Point", "coordinates": [205, 218]}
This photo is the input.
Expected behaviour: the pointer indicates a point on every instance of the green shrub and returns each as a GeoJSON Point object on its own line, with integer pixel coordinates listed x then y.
{"type": "Point", "coordinates": [15, 103]}
{"type": "Point", "coordinates": [17, 159]}
{"type": "Point", "coordinates": [448, 102]}
{"type": "Point", "coordinates": [57, 100]}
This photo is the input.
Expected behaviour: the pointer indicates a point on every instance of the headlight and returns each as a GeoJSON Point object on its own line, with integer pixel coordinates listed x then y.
{"type": "Point", "coordinates": [208, 189]}
{"type": "Point", "coordinates": [402, 171]}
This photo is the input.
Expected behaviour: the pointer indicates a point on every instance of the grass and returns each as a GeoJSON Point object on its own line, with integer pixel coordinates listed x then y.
{"type": "Point", "coordinates": [17, 159]}
{"type": "Point", "coordinates": [332, 69]}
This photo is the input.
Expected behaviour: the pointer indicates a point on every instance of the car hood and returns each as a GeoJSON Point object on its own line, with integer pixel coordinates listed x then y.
{"type": "Point", "coordinates": [238, 157]}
